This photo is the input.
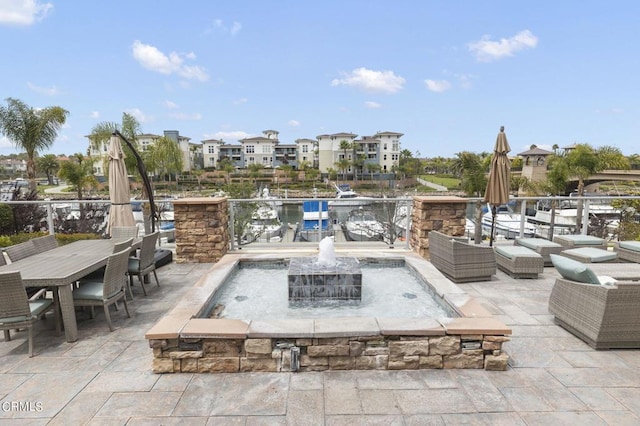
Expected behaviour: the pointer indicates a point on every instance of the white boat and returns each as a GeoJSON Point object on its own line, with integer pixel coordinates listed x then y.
{"type": "Point", "coordinates": [400, 218]}
{"type": "Point", "coordinates": [265, 226]}
{"type": "Point", "coordinates": [272, 200]}
{"type": "Point", "coordinates": [315, 223]}
{"type": "Point", "coordinates": [362, 225]}
{"type": "Point", "coordinates": [507, 224]}
{"type": "Point", "coordinates": [346, 197]}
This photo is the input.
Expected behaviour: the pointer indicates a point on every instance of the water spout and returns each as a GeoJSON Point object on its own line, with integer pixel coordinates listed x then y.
{"type": "Point", "coordinates": [327, 252]}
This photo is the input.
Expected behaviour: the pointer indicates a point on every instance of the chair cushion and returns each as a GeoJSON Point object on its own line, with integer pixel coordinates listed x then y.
{"type": "Point", "coordinates": [630, 245]}
{"type": "Point", "coordinates": [595, 255]}
{"type": "Point", "coordinates": [534, 243]}
{"type": "Point", "coordinates": [573, 270]}
{"type": "Point", "coordinates": [582, 240]}
{"type": "Point", "coordinates": [13, 320]}
{"type": "Point", "coordinates": [89, 290]}
{"type": "Point", "coordinates": [511, 252]}
{"type": "Point", "coordinates": [134, 265]}
{"type": "Point", "coordinates": [39, 306]}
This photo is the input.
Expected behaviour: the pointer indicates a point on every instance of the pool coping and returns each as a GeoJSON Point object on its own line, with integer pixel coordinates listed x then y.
{"type": "Point", "coordinates": [182, 321]}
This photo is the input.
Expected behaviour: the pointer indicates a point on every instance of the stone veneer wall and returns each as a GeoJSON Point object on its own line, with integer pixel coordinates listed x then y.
{"type": "Point", "coordinates": [440, 213]}
{"type": "Point", "coordinates": [202, 229]}
{"type": "Point", "coordinates": [338, 353]}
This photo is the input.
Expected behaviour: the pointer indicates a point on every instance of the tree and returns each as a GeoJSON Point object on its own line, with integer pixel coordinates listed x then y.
{"type": "Point", "coordinates": [255, 170]}
{"type": "Point", "coordinates": [130, 129]}
{"type": "Point", "coordinates": [343, 164]}
{"type": "Point", "coordinates": [469, 168]}
{"type": "Point", "coordinates": [49, 164]}
{"type": "Point", "coordinates": [78, 171]}
{"type": "Point", "coordinates": [31, 129]}
{"type": "Point", "coordinates": [165, 157]}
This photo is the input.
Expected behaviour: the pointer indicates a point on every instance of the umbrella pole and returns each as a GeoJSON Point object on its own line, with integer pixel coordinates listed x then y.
{"type": "Point", "coordinates": [494, 211]}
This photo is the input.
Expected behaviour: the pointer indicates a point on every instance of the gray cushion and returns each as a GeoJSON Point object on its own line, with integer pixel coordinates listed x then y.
{"type": "Point", "coordinates": [511, 252]}
{"type": "Point", "coordinates": [573, 270]}
{"type": "Point", "coordinates": [534, 243]}
{"type": "Point", "coordinates": [595, 255]}
{"type": "Point", "coordinates": [91, 290]}
{"type": "Point", "coordinates": [630, 245]}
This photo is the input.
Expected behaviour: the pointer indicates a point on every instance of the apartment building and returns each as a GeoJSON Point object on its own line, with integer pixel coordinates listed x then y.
{"type": "Point", "coordinates": [383, 149]}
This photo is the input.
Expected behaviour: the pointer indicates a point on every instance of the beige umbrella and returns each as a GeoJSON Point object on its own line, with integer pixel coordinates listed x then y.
{"type": "Point", "coordinates": [120, 213]}
{"type": "Point", "coordinates": [497, 192]}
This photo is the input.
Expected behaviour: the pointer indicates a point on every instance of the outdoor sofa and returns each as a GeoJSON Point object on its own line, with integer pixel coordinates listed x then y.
{"type": "Point", "coordinates": [459, 260]}
{"type": "Point", "coordinates": [601, 311]}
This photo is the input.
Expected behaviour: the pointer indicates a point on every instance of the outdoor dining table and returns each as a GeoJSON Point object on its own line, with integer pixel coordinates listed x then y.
{"type": "Point", "coordinates": [59, 268]}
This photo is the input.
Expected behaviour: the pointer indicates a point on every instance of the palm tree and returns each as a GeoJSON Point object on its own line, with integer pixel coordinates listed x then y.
{"type": "Point", "coordinates": [78, 171]}
{"type": "Point", "coordinates": [469, 167]}
{"type": "Point", "coordinates": [343, 164]}
{"type": "Point", "coordinates": [49, 164]}
{"type": "Point", "coordinates": [165, 157]}
{"type": "Point", "coordinates": [130, 129]}
{"type": "Point", "coordinates": [31, 129]}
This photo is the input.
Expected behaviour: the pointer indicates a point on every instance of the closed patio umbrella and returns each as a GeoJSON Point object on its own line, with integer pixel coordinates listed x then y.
{"type": "Point", "coordinates": [120, 213]}
{"type": "Point", "coordinates": [497, 192]}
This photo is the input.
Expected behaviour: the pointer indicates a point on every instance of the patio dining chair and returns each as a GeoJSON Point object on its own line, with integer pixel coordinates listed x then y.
{"type": "Point", "coordinates": [17, 311]}
{"type": "Point", "coordinates": [42, 244]}
{"type": "Point", "coordinates": [108, 290]}
{"type": "Point", "coordinates": [120, 232]}
{"type": "Point", "coordinates": [144, 263]}
{"type": "Point", "coordinates": [99, 274]}
{"type": "Point", "coordinates": [21, 251]}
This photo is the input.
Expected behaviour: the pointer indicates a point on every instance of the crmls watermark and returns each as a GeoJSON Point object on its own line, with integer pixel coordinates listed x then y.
{"type": "Point", "coordinates": [22, 406]}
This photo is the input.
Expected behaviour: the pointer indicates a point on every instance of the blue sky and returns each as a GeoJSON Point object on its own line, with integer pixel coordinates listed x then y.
{"type": "Point", "coordinates": [447, 74]}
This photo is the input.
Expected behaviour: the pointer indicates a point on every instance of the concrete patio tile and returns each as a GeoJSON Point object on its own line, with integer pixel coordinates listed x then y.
{"type": "Point", "coordinates": [198, 397]}
{"type": "Point", "coordinates": [108, 421]}
{"type": "Point", "coordinates": [106, 354]}
{"type": "Point", "coordinates": [441, 379]}
{"type": "Point", "coordinates": [600, 377]}
{"type": "Point", "coordinates": [145, 404]}
{"type": "Point", "coordinates": [173, 382]}
{"type": "Point", "coordinates": [597, 399]}
{"type": "Point", "coordinates": [431, 401]}
{"type": "Point", "coordinates": [137, 357]}
{"type": "Point", "coordinates": [45, 365]}
{"type": "Point", "coordinates": [123, 381]}
{"type": "Point", "coordinates": [259, 421]}
{"type": "Point", "coordinates": [342, 400]}
{"type": "Point", "coordinates": [627, 396]}
{"type": "Point", "coordinates": [562, 399]}
{"type": "Point", "coordinates": [526, 399]}
{"type": "Point", "coordinates": [591, 359]}
{"type": "Point", "coordinates": [619, 418]}
{"type": "Point", "coordinates": [305, 407]}
{"type": "Point", "coordinates": [267, 396]}
{"type": "Point", "coordinates": [168, 421]}
{"type": "Point", "coordinates": [399, 379]}
{"type": "Point", "coordinates": [531, 352]}
{"type": "Point", "coordinates": [53, 390]}
{"type": "Point", "coordinates": [241, 421]}
{"type": "Point", "coordinates": [484, 419]}
{"type": "Point", "coordinates": [424, 420]}
{"type": "Point", "coordinates": [10, 382]}
{"type": "Point", "coordinates": [484, 396]}
{"type": "Point", "coordinates": [82, 408]}
{"type": "Point", "coordinates": [307, 381]}
{"type": "Point", "coordinates": [376, 401]}
{"type": "Point", "coordinates": [518, 316]}
{"type": "Point", "coordinates": [362, 420]}
{"type": "Point", "coordinates": [563, 418]}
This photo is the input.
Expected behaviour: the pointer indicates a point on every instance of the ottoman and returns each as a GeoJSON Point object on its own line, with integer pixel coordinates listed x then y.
{"type": "Point", "coordinates": [628, 250]}
{"type": "Point", "coordinates": [541, 246]}
{"type": "Point", "coordinates": [574, 241]}
{"type": "Point", "coordinates": [519, 261]}
{"type": "Point", "coordinates": [590, 255]}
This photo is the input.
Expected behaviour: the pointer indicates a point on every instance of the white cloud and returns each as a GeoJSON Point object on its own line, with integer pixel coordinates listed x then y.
{"type": "Point", "coordinates": [486, 50]}
{"type": "Point", "coordinates": [437, 86]}
{"type": "Point", "coordinates": [293, 123]}
{"type": "Point", "coordinates": [49, 91]}
{"type": "Point", "coordinates": [235, 28]}
{"type": "Point", "coordinates": [240, 101]}
{"type": "Point", "coordinates": [151, 58]}
{"type": "Point", "coordinates": [229, 136]}
{"type": "Point", "coordinates": [372, 105]}
{"type": "Point", "coordinates": [187, 117]}
{"type": "Point", "coordinates": [465, 80]}
{"type": "Point", "coordinates": [170, 105]}
{"type": "Point", "coordinates": [23, 12]}
{"type": "Point", "coordinates": [139, 115]}
{"type": "Point", "coordinates": [222, 27]}
{"type": "Point", "coordinates": [371, 80]}
{"type": "Point", "coordinates": [94, 115]}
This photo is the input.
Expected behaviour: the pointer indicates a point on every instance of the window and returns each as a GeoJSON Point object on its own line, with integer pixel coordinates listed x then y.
{"type": "Point", "coordinates": [212, 149]}
{"type": "Point", "coordinates": [395, 146]}
{"type": "Point", "coordinates": [265, 160]}
{"type": "Point", "coordinates": [384, 157]}
{"type": "Point", "coordinates": [384, 146]}
{"type": "Point", "coordinates": [394, 157]}
{"type": "Point", "coordinates": [266, 149]}
{"type": "Point", "coordinates": [305, 148]}
{"type": "Point", "coordinates": [249, 149]}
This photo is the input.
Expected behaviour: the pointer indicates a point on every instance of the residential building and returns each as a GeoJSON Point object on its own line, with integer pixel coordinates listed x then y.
{"type": "Point", "coordinates": [382, 149]}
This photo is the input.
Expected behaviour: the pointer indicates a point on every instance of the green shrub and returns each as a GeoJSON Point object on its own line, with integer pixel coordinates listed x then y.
{"type": "Point", "coordinates": [5, 241]}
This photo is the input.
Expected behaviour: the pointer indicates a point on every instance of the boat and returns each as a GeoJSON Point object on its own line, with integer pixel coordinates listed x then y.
{"type": "Point", "coordinates": [507, 223]}
{"type": "Point", "coordinates": [315, 224]}
{"type": "Point", "coordinates": [566, 212]}
{"type": "Point", "coordinates": [346, 197]}
{"type": "Point", "coordinates": [265, 226]}
{"type": "Point", "coordinates": [361, 225]}
{"type": "Point", "coordinates": [272, 200]}
{"type": "Point", "coordinates": [400, 218]}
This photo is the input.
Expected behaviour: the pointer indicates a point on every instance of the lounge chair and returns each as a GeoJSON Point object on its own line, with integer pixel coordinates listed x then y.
{"type": "Point", "coordinates": [628, 250]}
{"type": "Point", "coordinates": [459, 260]}
{"type": "Point", "coordinates": [605, 315]}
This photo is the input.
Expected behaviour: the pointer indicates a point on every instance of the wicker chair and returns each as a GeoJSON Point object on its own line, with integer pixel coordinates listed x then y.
{"type": "Point", "coordinates": [122, 232]}
{"type": "Point", "coordinates": [604, 316]}
{"type": "Point", "coordinates": [17, 311]}
{"type": "Point", "coordinates": [42, 244]}
{"type": "Point", "coordinates": [3, 261]}
{"type": "Point", "coordinates": [459, 260]}
{"type": "Point", "coordinates": [99, 274]}
{"type": "Point", "coordinates": [108, 290]}
{"type": "Point", "coordinates": [144, 263]}
{"type": "Point", "coordinates": [21, 250]}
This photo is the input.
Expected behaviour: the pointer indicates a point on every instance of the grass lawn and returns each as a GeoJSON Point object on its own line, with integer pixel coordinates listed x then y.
{"type": "Point", "coordinates": [449, 182]}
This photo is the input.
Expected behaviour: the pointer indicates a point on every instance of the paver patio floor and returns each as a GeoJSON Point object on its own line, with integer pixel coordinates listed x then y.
{"type": "Point", "coordinates": [105, 378]}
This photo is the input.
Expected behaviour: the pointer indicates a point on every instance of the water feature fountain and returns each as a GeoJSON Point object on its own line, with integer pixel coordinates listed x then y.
{"type": "Point", "coordinates": [325, 277]}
